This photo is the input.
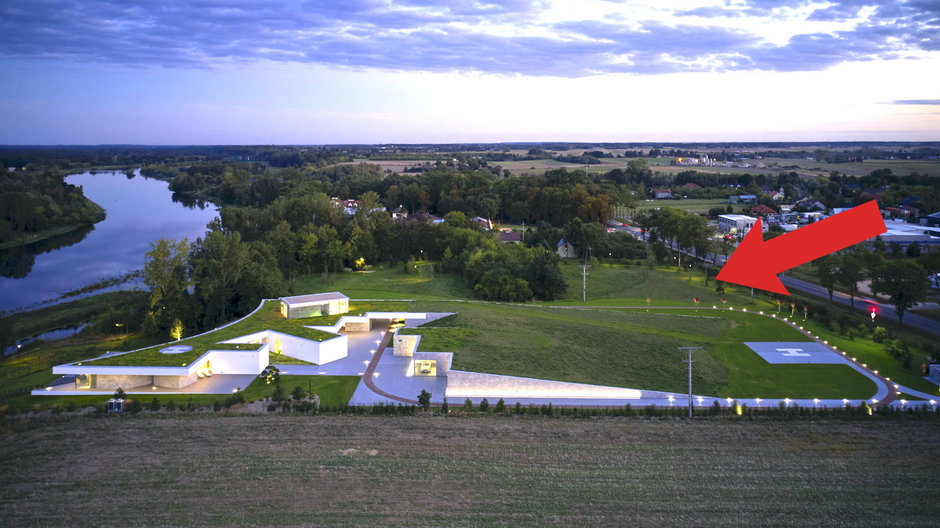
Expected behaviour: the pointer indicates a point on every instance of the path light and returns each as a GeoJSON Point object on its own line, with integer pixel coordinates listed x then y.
{"type": "Point", "coordinates": [699, 400]}
{"type": "Point", "coordinates": [874, 400]}
{"type": "Point", "coordinates": [376, 374]}
{"type": "Point", "coordinates": [897, 386]}
{"type": "Point", "coordinates": [359, 373]}
{"type": "Point", "coordinates": [761, 312]}
{"type": "Point", "coordinates": [825, 342]}
{"type": "Point", "coordinates": [48, 388]}
{"type": "Point", "coordinates": [366, 362]}
{"type": "Point", "coordinates": [377, 341]}
{"type": "Point", "coordinates": [714, 307]}
{"type": "Point", "coordinates": [743, 309]}
{"type": "Point", "coordinates": [372, 351]}
{"type": "Point", "coordinates": [671, 399]}
{"type": "Point", "coordinates": [845, 401]}
{"type": "Point", "coordinates": [933, 402]}
{"type": "Point", "coordinates": [786, 401]}
{"type": "Point", "coordinates": [815, 402]}
{"type": "Point", "coordinates": [865, 365]}
{"type": "Point", "coordinates": [887, 379]}
{"type": "Point", "coordinates": [876, 372]}
{"type": "Point", "coordinates": [729, 400]}
{"type": "Point", "coordinates": [853, 359]}
{"type": "Point", "coordinates": [758, 401]}
{"type": "Point", "coordinates": [903, 402]}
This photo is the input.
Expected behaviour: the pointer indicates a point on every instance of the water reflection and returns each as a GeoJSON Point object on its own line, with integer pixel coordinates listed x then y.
{"type": "Point", "coordinates": [139, 211]}
{"type": "Point", "coordinates": [17, 262]}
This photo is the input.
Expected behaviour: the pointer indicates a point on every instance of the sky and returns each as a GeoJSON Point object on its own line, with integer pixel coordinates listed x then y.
{"type": "Point", "coordinates": [426, 71]}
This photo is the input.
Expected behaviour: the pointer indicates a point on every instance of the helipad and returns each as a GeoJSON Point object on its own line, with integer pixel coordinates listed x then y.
{"type": "Point", "coordinates": [777, 352]}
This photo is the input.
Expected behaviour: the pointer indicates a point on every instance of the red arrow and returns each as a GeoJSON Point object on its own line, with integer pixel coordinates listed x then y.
{"type": "Point", "coordinates": [756, 263]}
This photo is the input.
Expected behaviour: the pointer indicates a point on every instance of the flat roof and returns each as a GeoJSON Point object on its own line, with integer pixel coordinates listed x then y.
{"type": "Point", "coordinates": [736, 217]}
{"type": "Point", "coordinates": [314, 298]}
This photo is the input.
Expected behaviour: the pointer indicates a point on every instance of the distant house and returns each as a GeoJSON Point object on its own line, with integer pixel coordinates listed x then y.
{"type": "Point", "coordinates": [564, 249]}
{"type": "Point", "coordinates": [662, 194]}
{"type": "Point", "coordinates": [761, 209]}
{"type": "Point", "coordinates": [776, 196]}
{"type": "Point", "coordinates": [743, 199]}
{"type": "Point", "coordinates": [808, 204]}
{"type": "Point", "coordinates": [482, 222]}
{"type": "Point", "coordinates": [932, 220]}
{"type": "Point", "coordinates": [691, 185]}
{"type": "Point", "coordinates": [510, 238]}
{"type": "Point", "coordinates": [399, 213]}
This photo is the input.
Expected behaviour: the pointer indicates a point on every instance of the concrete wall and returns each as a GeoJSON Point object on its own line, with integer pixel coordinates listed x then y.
{"type": "Point", "coordinates": [358, 326]}
{"type": "Point", "coordinates": [175, 382]}
{"type": "Point", "coordinates": [405, 345]}
{"type": "Point", "coordinates": [238, 361]}
{"type": "Point", "coordinates": [122, 381]}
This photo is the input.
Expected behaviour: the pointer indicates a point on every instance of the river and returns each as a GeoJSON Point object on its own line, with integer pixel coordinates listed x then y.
{"type": "Point", "coordinates": [139, 211]}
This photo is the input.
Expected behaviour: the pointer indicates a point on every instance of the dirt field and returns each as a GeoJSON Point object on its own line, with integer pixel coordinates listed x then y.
{"type": "Point", "coordinates": [434, 471]}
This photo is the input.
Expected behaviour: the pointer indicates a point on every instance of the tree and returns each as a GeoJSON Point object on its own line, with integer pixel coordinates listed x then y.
{"type": "Point", "coordinates": [424, 399]}
{"type": "Point", "coordinates": [903, 281]}
{"type": "Point", "coordinates": [545, 277]}
{"type": "Point", "coordinates": [176, 331]}
{"type": "Point", "coordinates": [827, 269]}
{"type": "Point", "coordinates": [218, 262]}
{"type": "Point", "coordinates": [850, 273]}
{"type": "Point", "coordinates": [166, 275]}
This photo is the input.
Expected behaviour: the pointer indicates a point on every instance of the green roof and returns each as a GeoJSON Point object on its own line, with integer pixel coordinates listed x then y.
{"type": "Point", "coordinates": [266, 317]}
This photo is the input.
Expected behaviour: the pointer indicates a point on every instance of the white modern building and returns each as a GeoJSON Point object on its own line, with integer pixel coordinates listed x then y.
{"type": "Point", "coordinates": [737, 225]}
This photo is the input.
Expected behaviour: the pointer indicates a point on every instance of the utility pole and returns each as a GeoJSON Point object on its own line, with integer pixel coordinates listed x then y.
{"type": "Point", "coordinates": [689, 361]}
{"type": "Point", "coordinates": [584, 267]}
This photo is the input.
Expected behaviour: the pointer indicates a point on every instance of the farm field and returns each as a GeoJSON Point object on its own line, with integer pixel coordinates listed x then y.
{"type": "Point", "coordinates": [282, 470]}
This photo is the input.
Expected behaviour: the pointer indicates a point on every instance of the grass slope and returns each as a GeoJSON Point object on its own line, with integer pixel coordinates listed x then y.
{"type": "Point", "coordinates": [414, 471]}
{"type": "Point", "coordinates": [633, 348]}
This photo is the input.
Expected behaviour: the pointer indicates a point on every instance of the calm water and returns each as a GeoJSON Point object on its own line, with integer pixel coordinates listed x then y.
{"type": "Point", "coordinates": [140, 211]}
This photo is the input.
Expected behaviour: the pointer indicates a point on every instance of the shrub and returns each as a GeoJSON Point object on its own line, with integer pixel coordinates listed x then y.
{"type": "Point", "coordinates": [171, 405]}
{"type": "Point", "coordinates": [424, 399]}
{"type": "Point", "coordinates": [135, 406]}
{"type": "Point", "coordinates": [154, 404]}
{"type": "Point", "coordinates": [216, 406]}
{"type": "Point", "coordinates": [298, 393]}
{"type": "Point", "coordinates": [444, 408]}
{"type": "Point", "coordinates": [484, 405]}
{"type": "Point", "coordinates": [272, 407]}
{"type": "Point", "coordinates": [278, 395]}
{"type": "Point", "coordinates": [467, 405]}
{"type": "Point", "coordinates": [500, 406]}
{"type": "Point", "coordinates": [880, 335]}
{"type": "Point", "coordinates": [120, 394]}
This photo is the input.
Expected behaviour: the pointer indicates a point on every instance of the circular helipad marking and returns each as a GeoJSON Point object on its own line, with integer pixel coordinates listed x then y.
{"type": "Point", "coordinates": [176, 349]}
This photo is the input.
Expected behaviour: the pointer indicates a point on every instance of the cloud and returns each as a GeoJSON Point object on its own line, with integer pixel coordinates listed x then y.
{"type": "Point", "coordinates": [917, 102]}
{"type": "Point", "coordinates": [491, 36]}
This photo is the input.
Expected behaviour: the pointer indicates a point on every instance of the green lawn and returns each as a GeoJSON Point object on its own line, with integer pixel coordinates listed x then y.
{"type": "Point", "coordinates": [633, 348]}
{"type": "Point", "coordinates": [692, 205]}
{"type": "Point", "coordinates": [629, 285]}
{"type": "Point", "coordinates": [268, 317]}
{"type": "Point", "coordinates": [389, 282]}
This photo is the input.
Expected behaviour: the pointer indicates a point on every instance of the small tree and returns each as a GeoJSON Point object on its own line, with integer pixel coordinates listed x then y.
{"type": "Point", "coordinates": [135, 406]}
{"type": "Point", "coordinates": [500, 406]}
{"type": "Point", "coordinates": [176, 331]}
{"type": "Point", "coordinates": [298, 393]}
{"type": "Point", "coordinates": [484, 405]}
{"type": "Point", "coordinates": [119, 394]}
{"type": "Point", "coordinates": [444, 408]}
{"type": "Point", "coordinates": [424, 399]}
{"type": "Point", "coordinates": [467, 405]}
{"type": "Point", "coordinates": [880, 335]}
{"type": "Point", "coordinates": [278, 395]}
{"type": "Point", "coordinates": [154, 404]}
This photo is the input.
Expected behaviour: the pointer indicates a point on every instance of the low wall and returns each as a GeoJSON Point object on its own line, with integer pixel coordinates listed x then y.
{"type": "Point", "coordinates": [175, 382]}
{"type": "Point", "coordinates": [122, 381]}
{"type": "Point", "coordinates": [405, 345]}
